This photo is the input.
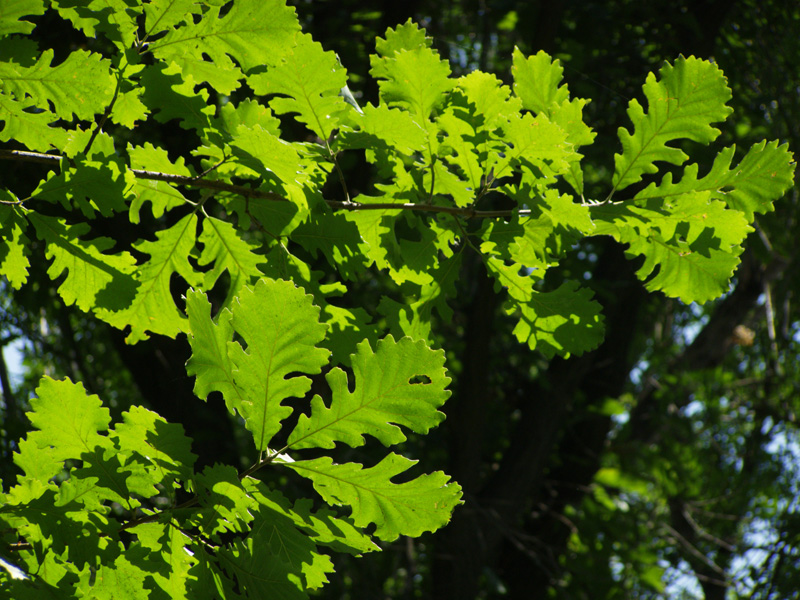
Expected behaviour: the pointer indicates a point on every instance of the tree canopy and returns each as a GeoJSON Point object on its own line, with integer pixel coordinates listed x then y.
{"type": "Point", "coordinates": [361, 300]}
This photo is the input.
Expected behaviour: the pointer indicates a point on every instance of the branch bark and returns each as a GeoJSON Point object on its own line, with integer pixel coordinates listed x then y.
{"type": "Point", "coordinates": [467, 212]}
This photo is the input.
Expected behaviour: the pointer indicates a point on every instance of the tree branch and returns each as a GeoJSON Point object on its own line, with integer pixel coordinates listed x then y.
{"type": "Point", "coordinates": [248, 192]}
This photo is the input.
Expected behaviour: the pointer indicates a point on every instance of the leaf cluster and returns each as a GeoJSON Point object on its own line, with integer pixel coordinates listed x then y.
{"type": "Point", "coordinates": [245, 224]}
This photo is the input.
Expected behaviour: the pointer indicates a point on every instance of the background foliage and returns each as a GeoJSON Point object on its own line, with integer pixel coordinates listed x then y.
{"type": "Point", "coordinates": [659, 462]}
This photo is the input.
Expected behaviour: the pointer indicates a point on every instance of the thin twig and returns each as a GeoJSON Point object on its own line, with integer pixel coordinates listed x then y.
{"type": "Point", "coordinates": [248, 192]}
{"type": "Point", "coordinates": [338, 172]}
{"type": "Point", "coordinates": [212, 168]}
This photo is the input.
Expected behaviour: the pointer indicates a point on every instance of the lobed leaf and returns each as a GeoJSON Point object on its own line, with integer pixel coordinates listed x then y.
{"type": "Point", "coordinates": [275, 526]}
{"type": "Point", "coordinates": [162, 448]}
{"type": "Point", "coordinates": [435, 294]}
{"type": "Point", "coordinates": [122, 578]}
{"type": "Point", "coordinates": [535, 143]}
{"type": "Point", "coordinates": [14, 244]}
{"type": "Point", "coordinates": [411, 508]}
{"type": "Point", "coordinates": [168, 95]}
{"type": "Point", "coordinates": [165, 557]}
{"type": "Point", "coordinates": [95, 280]}
{"type": "Point", "coordinates": [465, 141]}
{"type": "Point", "coordinates": [381, 127]}
{"type": "Point", "coordinates": [253, 33]}
{"type": "Point", "coordinates": [81, 85]}
{"type": "Point", "coordinates": [281, 329]}
{"type": "Point", "coordinates": [336, 238]}
{"type": "Point", "coordinates": [164, 15]}
{"type": "Point", "coordinates": [266, 154]}
{"type": "Point", "coordinates": [491, 99]}
{"type": "Point", "coordinates": [258, 572]}
{"type": "Point", "coordinates": [690, 244]}
{"type": "Point", "coordinates": [68, 420]}
{"type": "Point", "coordinates": [408, 36]}
{"type": "Point", "coordinates": [310, 80]}
{"type": "Point", "coordinates": [400, 384]}
{"type": "Point", "coordinates": [536, 81]}
{"type": "Point", "coordinates": [226, 505]}
{"type": "Point", "coordinates": [153, 309]}
{"type": "Point", "coordinates": [33, 129]}
{"type": "Point", "coordinates": [563, 321]}
{"type": "Point", "coordinates": [763, 175]}
{"type": "Point", "coordinates": [689, 96]}
{"type": "Point", "coordinates": [209, 362]}
{"type": "Point", "coordinates": [414, 77]}
{"type": "Point", "coordinates": [225, 250]}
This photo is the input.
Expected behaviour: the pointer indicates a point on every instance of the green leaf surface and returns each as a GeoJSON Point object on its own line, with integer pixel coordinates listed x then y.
{"type": "Point", "coordinates": [93, 185]}
{"type": "Point", "coordinates": [682, 104]}
{"type": "Point", "coordinates": [81, 85]}
{"type": "Point", "coordinates": [226, 506]}
{"type": "Point", "coordinates": [252, 32]}
{"type": "Point", "coordinates": [162, 195]}
{"type": "Point", "coordinates": [281, 330]}
{"type": "Point", "coordinates": [163, 15]}
{"type": "Point", "coordinates": [322, 526]}
{"type": "Point", "coordinates": [408, 36]}
{"type": "Point", "coordinates": [516, 280]}
{"type": "Point", "coordinates": [119, 579]}
{"type": "Point", "coordinates": [390, 129]}
{"type": "Point", "coordinates": [537, 81]}
{"type": "Point", "coordinates": [210, 362]}
{"type": "Point", "coordinates": [259, 572]}
{"type": "Point", "coordinates": [224, 250]}
{"type": "Point", "coordinates": [298, 552]}
{"type": "Point", "coordinates": [376, 229]}
{"type": "Point", "coordinates": [563, 321]}
{"type": "Point", "coordinates": [152, 308]}
{"type": "Point", "coordinates": [14, 262]}
{"type": "Point", "coordinates": [346, 328]}
{"type": "Point", "coordinates": [11, 17]}
{"type": "Point", "coordinates": [266, 154]}
{"type": "Point", "coordinates": [94, 280]}
{"type": "Point", "coordinates": [399, 384]}
{"type": "Point", "coordinates": [165, 557]}
{"type": "Point", "coordinates": [414, 79]}
{"type": "Point", "coordinates": [114, 18]}
{"type": "Point", "coordinates": [535, 142]}
{"type": "Point", "coordinates": [167, 95]}
{"type": "Point", "coordinates": [525, 241]}
{"type": "Point", "coordinates": [463, 139]}
{"type": "Point", "coordinates": [763, 176]}
{"type": "Point", "coordinates": [492, 100]}
{"type": "Point", "coordinates": [411, 508]}
{"type": "Point", "coordinates": [691, 244]}
{"type": "Point", "coordinates": [435, 294]}
{"type": "Point", "coordinates": [33, 129]}
{"type": "Point", "coordinates": [68, 419]}
{"type": "Point", "coordinates": [336, 238]}
{"type": "Point", "coordinates": [156, 443]}
{"type": "Point", "coordinates": [37, 461]}
{"type": "Point", "coordinates": [308, 80]}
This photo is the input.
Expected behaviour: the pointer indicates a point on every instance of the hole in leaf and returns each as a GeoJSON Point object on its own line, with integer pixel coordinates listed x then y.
{"type": "Point", "coordinates": [423, 379]}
